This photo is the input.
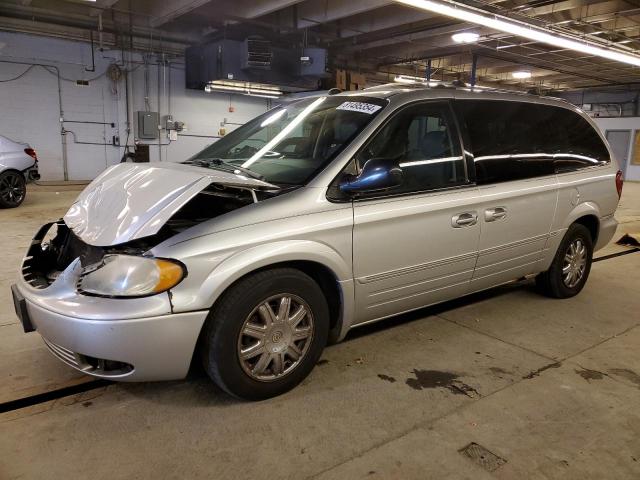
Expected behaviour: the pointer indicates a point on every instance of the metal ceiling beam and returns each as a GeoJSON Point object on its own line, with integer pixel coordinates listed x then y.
{"type": "Point", "coordinates": [255, 9]}
{"type": "Point", "coordinates": [100, 6]}
{"type": "Point", "coordinates": [168, 11]}
{"type": "Point", "coordinates": [418, 37]}
{"type": "Point", "coordinates": [69, 31]}
{"type": "Point", "coordinates": [381, 19]}
{"type": "Point", "coordinates": [241, 9]}
{"type": "Point", "coordinates": [313, 12]}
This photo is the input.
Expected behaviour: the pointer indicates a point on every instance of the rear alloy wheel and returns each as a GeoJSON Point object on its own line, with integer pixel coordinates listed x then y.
{"type": "Point", "coordinates": [13, 189]}
{"type": "Point", "coordinates": [571, 265]}
{"type": "Point", "coordinates": [574, 263]}
{"type": "Point", "coordinates": [265, 333]}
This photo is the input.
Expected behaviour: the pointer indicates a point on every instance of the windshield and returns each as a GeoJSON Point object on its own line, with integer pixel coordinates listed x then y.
{"type": "Point", "coordinates": [288, 145]}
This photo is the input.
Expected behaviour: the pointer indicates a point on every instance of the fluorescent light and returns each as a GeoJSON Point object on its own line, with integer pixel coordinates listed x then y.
{"type": "Point", "coordinates": [412, 79]}
{"type": "Point", "coordinates": [252, 90]}
{"type": "Point", "coordinates": [521, 29]}
{"type": "Point", "coordinates": [521, 74]}
{"type": "Point", "coordinates": [465, 37]}
{"type": "Point", "coordinates": [407, 79]}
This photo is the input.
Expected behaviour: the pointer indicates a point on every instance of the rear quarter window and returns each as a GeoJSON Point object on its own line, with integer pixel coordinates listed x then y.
{"type": "Point", "coordinates": [518, 140]}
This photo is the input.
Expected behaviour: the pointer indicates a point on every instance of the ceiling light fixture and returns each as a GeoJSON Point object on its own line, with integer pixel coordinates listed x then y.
{"type": "Point", "coordinates": [521, 74]}
{"type": "Point", "coordinates": [252, 90]}
{"type": "Point", "coordinates": [407, 79]}
{"type": "Point", "coordinates": [412, 79]}
{"type": "Point", "coordinates": [465, 37]}
{"type": "Point", "coordinates": [521, 29]}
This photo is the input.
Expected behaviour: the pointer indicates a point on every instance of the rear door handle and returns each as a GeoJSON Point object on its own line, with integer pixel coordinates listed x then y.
{"type": "Point", "coordinates": [493, 214]}
{"type": "Point", "coordinates": [465, 219]}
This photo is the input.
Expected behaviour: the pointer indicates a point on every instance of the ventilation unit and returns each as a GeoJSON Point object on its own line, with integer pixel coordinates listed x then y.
{"type": "Point", "coordinates": [257, 54]}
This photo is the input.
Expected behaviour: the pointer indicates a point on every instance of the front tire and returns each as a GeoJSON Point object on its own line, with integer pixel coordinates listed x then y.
{"type": "Point", "coordinates": [265, 334]}
{"type": "Point", "coordinates": [13, 189]}
{"type": "Point", "coordinates": [571, 265]}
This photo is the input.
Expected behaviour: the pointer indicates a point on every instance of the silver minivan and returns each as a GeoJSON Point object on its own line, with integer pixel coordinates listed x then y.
{"type": "Point", "coordinates": [314, 218]}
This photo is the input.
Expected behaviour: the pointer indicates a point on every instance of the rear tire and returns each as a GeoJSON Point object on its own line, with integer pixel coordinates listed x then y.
{"type": "Point", "coordinates": [571, 265]}
{"type": "Point", "coordinates": [254, 344]}
{"type": "Point", "coordinates": [13, 189]}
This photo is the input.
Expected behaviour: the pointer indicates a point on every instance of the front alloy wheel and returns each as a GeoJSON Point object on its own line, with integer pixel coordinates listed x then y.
{"type": "Point", "coordinates": [265, 333]}
{"type": "Point", "coordinates": [275, 337]}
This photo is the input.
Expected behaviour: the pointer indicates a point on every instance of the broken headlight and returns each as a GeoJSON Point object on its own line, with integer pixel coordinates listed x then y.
{"type": "Point", "coordinates": [130, 276]}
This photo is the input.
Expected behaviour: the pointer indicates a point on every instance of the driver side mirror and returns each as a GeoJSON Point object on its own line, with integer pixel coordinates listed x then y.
{"type": "Point", "coordinates": [377, 174]}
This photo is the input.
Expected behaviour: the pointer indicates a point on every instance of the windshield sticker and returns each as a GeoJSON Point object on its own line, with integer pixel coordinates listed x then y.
{"type": "Point", "coordinates": [361, 107]}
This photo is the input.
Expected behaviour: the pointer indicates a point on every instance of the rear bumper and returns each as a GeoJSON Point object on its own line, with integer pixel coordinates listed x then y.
{"type": "Point", "coordinates": [31, 174]}
{"type": "Point", "coordinates": [606, 231]}
{"type": "Point", "coordinates": [141, 349]}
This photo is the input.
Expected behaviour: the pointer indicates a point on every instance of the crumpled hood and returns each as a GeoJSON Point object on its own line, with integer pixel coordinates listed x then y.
{"type": "Point", "coordinates": [132, 200]}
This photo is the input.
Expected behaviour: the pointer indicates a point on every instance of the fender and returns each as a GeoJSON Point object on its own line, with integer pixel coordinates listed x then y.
{"type": "Point", "coordinates": [246, 261]}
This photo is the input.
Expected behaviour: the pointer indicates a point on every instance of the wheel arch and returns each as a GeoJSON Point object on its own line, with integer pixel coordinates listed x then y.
{"type": "Point", "coordinates": [592, 223]}
{"type": "Point", "coordinates": [587, 214]}
{"type": "Point", "coordinates": [323, 264]}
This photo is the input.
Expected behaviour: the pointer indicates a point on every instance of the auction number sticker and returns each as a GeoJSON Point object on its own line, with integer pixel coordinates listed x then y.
{"type": "Point", "coordinates": [361, 107]}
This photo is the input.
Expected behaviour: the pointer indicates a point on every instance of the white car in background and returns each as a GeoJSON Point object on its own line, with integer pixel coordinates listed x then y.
{"type": "Point", "coordinates": [18, 165]}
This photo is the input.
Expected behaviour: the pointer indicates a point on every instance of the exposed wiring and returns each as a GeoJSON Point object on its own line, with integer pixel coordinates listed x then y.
{"type": "Point", "coordinates": [19, 76]}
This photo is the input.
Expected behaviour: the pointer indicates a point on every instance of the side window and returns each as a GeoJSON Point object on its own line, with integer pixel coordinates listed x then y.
{"type": "Point", "coordinates": [573, 141]}
{"type": "Point", "coordinates": [518, 140]}
{"type": "Point", "coordinates": [423, 140]}
{"type": "Point", "coordinates": [508, 139]}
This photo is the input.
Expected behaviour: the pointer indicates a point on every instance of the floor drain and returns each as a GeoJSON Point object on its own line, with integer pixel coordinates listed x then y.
{"type": "Point", "coordinates": [483, 457]}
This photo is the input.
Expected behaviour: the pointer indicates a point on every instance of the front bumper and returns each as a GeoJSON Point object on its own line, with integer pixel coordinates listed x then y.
{"type": "Point", "coordinates": [136, 339]}
{"type": "Point", "coordinates": [139, 349]}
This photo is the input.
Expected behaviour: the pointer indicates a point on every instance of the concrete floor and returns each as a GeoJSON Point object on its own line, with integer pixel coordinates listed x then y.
{"type": "Point", "coordinates": [550, 386]}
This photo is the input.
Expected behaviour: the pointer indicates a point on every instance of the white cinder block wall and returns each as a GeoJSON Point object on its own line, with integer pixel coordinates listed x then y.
{"type": "Point", "coordinates": [30, 105]}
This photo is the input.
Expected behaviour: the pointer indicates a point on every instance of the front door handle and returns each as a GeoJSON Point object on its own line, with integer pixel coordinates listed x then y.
{"type": "Point", "coordinates": [493, 214]}
{"type": "Point", "coordinates": [465, 219]}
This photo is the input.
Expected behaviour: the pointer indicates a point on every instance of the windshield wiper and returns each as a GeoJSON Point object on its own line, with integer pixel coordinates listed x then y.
{"type": "Point", "coordinates": [218, 162]}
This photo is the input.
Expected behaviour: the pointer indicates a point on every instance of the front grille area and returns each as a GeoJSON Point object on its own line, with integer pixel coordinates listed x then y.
{"type": "Point", "coordinates": [32, 270]}
{"type": "Point", "coordinates": [91, 365]}
{"type": "Point", "coordinates": [51, 251]}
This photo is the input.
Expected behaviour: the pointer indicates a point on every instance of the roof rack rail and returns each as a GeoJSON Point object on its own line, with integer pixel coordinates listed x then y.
{"type": "Point", "coordinates": [455, 84]}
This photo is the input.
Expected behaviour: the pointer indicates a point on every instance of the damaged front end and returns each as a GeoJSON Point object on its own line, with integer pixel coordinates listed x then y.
{"type": "Point", "coordinates": [56, 246]}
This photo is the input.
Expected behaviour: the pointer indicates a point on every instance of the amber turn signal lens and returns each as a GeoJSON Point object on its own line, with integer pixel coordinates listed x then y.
{"type": "Point", "coordinates": [170, 274]}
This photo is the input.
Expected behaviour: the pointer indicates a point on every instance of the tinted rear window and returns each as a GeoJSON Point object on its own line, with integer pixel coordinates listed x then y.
{"type": "Point", "coordinates": [513, 140]}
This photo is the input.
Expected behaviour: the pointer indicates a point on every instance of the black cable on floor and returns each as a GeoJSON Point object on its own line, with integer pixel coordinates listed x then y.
{"type": "Point", "coordinates": [613, 255]}
{"type": "Point", "coordinates": [52, 395]}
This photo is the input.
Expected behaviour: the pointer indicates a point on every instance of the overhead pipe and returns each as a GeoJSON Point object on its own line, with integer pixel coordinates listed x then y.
{"type": "Point", "coordinates": [474, 68]}
{"type": "Point", "coordinates": [100, 32]}
{"type": "Point", "coordinates": [93, 58]}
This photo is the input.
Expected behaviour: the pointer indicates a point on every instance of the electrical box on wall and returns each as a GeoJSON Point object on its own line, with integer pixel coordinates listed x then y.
{"type": "Point", "coordinates": [147, 126]}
